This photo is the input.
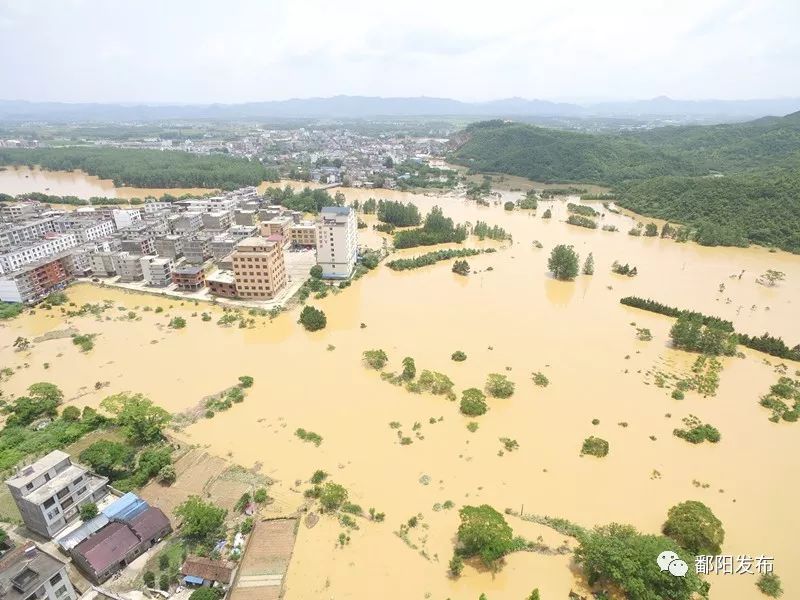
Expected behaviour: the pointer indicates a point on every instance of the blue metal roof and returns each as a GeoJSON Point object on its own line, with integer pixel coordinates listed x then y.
{"type": "Point", "coordinates": [191, 579]}
{"type": "Point", "coordinates": [126, 508]}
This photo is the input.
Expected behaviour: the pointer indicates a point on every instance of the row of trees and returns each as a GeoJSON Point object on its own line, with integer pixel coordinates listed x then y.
{"type": "Point", "coordinates": [146, 168]}
{"type": "Point", "coordinates": [398, 214]}
{"type": "Point", "coordinates": [764, 343]}
{"type": "Point", "coordinates": [437, 229]}
{"type": "Point", "coordinates": [430, 258]}
{"type": "Point", "coordinates": [495, 232]}
{"type": "Point", "coordinates": [306, 200]}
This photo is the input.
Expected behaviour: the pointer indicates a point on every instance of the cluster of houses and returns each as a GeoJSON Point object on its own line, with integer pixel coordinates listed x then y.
{"type": "Point", "coordinates": [49, 494]}
{"type": "Point", "coordinates": [232, 245]}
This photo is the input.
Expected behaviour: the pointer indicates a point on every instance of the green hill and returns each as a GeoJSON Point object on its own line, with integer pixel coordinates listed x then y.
{"type": "Point", "coordinates": [734, 184]}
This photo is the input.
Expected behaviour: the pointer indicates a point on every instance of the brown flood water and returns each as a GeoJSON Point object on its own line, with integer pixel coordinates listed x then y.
{"type": "Point", "coordinates": [576, 333]}
{"type": "Point", "coordinates": [21, 180]}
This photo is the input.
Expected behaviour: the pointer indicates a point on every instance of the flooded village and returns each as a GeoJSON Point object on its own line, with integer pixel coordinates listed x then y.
{"type": "Point", "coordinates": [335, 483]}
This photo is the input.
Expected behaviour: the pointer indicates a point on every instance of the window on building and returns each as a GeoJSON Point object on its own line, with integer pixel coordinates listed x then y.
{"type": "Point", "coordinates": [55, 579]}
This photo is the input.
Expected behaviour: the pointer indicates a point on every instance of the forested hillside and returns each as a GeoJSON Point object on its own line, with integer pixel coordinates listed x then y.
{"type": "Point", "coordinates": [733, 184]}
{"type": "Point", "coordinates": [551, 155]}
{"type": "Point", "coordinates": [145, 168]}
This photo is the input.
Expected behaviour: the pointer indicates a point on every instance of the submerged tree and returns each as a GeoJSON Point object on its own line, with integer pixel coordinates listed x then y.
{"type": "Point", "coordinates": [563, 262]}
{"type": "Point", "coordinates": [142, 420]}
{"type": "Point", "coordinates": [484, 532]}
{"type": "Point", "coordinates": [588, 265]}
{"type": "Point", "coordinates": [312, 318]}
{"type": "Point", "coordinates": [692, 525]}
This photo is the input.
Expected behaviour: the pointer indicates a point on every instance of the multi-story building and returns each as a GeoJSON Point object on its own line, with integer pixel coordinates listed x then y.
{"type": "Point", "coordinates": [125, 217]}
{"type": "Point", "coordinates": [23, 254]}
{"type": "Point", "coordinates": [28, 572]}
{"type": "Point", "coordinates": [139, 244]}
{"type": "Point", "coordinates": [38, 279]}
{"type": "Point", "coordinates": [245, 217]}
{"type": "Point", "coordinates": [156, 271]}
{"type": "Point", "coordinates": [49, 492]}
{"type": "Point", "coordinates": [258, 268]}
{"type": "Point", "coordinates": [153, 206]}
{"type": "Point", "coordinates": [102, 264]}
{"type": "Point", "coordinates": [170, 246]}
{"type": "Point", "coordinates": [276, 226]}
{"type": "Point", "coordinates": [303, 234]}
{"type": "Point", "coordinates": [188, 278]}
{"type": "Point", "coordinates": [217, 220]}
{"type": "Point", "coordinates": [222, 283]}
{"type": "Point", "coordinates": [337, 241]}
{"type": "Point", "coordinates": [185, 223]}
{"type": "Point", "coordinates": [128, 266]}
{"type": "Point", "coordinates": [222, 245]}
{"type": "Point", "coordinates": [18, 210]}
{"type": "Point", "coordinates": [25, 231]}
{"type": "Point", "coordinates": [197, 249]}
{"type": "Point", "coordinates": [85, 229]}
{"type": "Point", "coordinates": [240, 232]}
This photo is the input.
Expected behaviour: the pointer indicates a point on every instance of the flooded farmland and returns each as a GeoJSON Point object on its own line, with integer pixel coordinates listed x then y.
{"type": "Point", "coordinates": [513, 319]}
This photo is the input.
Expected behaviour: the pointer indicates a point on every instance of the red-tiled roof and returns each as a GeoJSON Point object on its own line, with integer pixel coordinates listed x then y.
{"type": "Point", "coordinates": [108, 546]}
{"type": "Point", "coordinates": [149, 524]}
{"type": "Point", "coordinates": [208, 569]}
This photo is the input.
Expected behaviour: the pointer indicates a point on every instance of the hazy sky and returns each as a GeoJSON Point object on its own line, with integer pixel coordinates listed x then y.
{"type": "Point", "coordinates": [248, 50]}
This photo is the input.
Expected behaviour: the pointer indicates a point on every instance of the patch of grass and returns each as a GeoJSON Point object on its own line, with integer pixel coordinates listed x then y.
{"type": "Point", "coordinates": [697, 432]}
{"type": "Point", "coordinates": [84, 342]}
{"type": "Point", "coordinates": [540, 379]}
{"type": "Point", "coordinates": [308, 436]}
{"type": "Point", "coordinates": [595, 446]}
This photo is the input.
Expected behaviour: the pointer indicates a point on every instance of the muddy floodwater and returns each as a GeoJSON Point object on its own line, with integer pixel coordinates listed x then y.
{"type": "Point", "coordinates": [21, 180]}
{"type": "Point", "coordinates": [513, 319]}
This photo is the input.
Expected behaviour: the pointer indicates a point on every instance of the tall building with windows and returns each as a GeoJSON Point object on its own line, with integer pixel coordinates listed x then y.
{"type": "Point", "coordinates": [49, 492]}
{"type": "Point", "coordinates": [258, 268]}
{"type": "Point", "coordinates": [337, 241]}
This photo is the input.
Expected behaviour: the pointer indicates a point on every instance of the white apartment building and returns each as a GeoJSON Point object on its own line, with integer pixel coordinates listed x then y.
{"type": "Point", "coordinates": [86, 229]}
{"type": "Point", "coordinates": [337, 241]}
{"type": "Point", "coordinates": [125, 217]}
{"type": "Point", "coordinates": [25, 231]}
{"type": "Point", "coordinates": [49, 492]}
{"type": "Point", "coordinates": [156, 270]}
{"type": "Point", "coordinates": [30, 252]}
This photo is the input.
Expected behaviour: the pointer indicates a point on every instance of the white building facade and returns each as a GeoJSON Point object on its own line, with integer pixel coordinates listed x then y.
{"type": "Point", "coordinates": [337, 241]}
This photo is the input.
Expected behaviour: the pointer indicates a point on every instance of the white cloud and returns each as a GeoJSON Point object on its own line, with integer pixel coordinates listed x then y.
{"type": "Point", "coordinates": [246, 50]}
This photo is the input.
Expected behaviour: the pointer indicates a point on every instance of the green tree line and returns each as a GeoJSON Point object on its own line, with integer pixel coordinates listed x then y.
{"type": "Point", "coordinates": [146, 168]}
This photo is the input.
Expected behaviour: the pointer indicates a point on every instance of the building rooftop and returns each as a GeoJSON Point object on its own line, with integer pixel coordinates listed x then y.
{"type": "Point", "coordinates": [108, 546]}
{"type": "Point", "coordinates": [336, 210]}
{"type": "Point", "coordinates": [188, 270]}
{"type": "Point", "coordinates": [24, 569]}
{"type": "Point", "coordinates": [221, 277]}
{"type": "Point", "coordinates": [253, 242]}
{"type": "Point", "coordinates": [32, 471]}
{"type": "Point", "coordinates": [148, 523]}
{"type": "Point", "coordinates": [208, 569]}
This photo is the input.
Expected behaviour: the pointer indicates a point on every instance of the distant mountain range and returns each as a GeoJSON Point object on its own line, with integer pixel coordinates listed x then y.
{"type": "Point", "coordinates": [353, 107]}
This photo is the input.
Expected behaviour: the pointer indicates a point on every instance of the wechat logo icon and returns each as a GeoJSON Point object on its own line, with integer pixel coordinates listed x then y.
{"type": "Point", "coordinates": [669, 561]}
